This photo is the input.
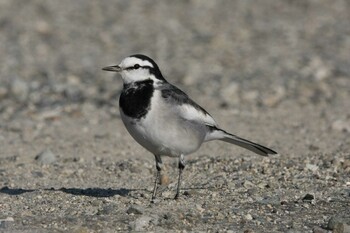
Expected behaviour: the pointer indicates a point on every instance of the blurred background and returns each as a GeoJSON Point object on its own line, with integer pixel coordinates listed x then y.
{"type": "Point", "coordinates": [227, 54]}
{"type": "Point", "coordinates": [283, 65]}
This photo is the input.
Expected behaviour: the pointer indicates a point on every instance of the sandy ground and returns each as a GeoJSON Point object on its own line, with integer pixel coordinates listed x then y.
{"type": "Point", "coordinates": [275, 72]}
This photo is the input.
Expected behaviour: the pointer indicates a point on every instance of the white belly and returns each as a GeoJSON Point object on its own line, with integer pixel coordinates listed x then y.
{"type": "Point", "coordinates": [162, 132]}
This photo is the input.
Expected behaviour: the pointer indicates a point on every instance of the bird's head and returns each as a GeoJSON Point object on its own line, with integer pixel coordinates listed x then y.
{"type": "Point", "coordinates": [137, 68]}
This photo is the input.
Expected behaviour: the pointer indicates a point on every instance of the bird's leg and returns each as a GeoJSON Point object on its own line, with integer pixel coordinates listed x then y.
{"type": "Point", "coordinates": [181, 168]}
{"type": "Point", "coordinates": [159, 168]}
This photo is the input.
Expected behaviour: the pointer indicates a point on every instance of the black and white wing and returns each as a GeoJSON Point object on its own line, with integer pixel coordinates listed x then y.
{"type": "Point", "coordinates": [188, 109]}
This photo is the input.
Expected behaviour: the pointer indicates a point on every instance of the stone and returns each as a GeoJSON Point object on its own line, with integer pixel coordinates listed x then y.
{"type": "Point", "coordinates": [311, 167]}
{"type": "Point", "coordinates": [275, 99]}
{"type": "Point", "coordinates": [341, 125]}
{"type": "Point", "coordinates": [135, 209]}
{"type": "Point", "coordinates": [164, 179]}
{"type": "Point", "coordinates": [308, 197]}
{"type": "Point", "coordinates": [142, 223]}
{"type": "Point", "coordinates": [20, 90]}
{"type": "Point", "coordinates": [6, 222]}
{"type": "Point", "coordinates": [248, 217]}
{"type": "Point", "coordinates": [248, 184]}
{"type": "Point", "coordinates": [318, 229]}
{"type": "Point", "coordinates": [331, 223]}
{"type": "Point", "coordinates": [230, 93]}
{"type": "Point", "coordinates": [341, 227]}
{"type": "Point", "coordinates": [337, 225]}
{"type": "Point", "coordinates": [46, 157]}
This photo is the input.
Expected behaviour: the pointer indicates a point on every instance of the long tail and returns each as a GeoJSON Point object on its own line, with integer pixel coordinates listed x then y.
{"type": "Point", "coordinates": [227, 137]}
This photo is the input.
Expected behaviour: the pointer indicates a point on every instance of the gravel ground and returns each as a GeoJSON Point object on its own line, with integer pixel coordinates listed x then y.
{"type": "Point", "coordinates": [275, 72]}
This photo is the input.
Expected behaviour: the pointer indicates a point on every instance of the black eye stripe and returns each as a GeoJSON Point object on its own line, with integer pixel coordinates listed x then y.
{"type": "Point", "coordinates": [137, 66]}
{"type": "Point", "coordinates": [129, 68]}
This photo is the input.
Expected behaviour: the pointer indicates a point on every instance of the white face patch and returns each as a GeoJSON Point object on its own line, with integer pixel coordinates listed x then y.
{"type": "Point", "coordinates": [135, 75]}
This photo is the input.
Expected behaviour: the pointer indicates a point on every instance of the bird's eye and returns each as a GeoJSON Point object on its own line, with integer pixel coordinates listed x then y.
{"type": "Point", "coordinates": [136, 66]}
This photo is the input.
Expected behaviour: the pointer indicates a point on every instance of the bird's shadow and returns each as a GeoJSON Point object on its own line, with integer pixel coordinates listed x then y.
{"type": "Point", "coordinates": [90, 192]}
{"type": "Point", "coordinates": [95, 192]}
{"type": "Point", "coordinates": [13, 192]}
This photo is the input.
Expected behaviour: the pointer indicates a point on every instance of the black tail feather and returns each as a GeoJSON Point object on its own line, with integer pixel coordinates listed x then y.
{"type": "Point", "coordinates": [233, 139]}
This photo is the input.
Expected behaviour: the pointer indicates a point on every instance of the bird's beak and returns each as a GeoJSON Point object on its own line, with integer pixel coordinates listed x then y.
{"type": "Point", "coordinates": [115, 68]}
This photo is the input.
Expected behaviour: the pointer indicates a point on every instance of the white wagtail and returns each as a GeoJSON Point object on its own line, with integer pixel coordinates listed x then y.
{"type": "Point", "coordinates": [163, 119]}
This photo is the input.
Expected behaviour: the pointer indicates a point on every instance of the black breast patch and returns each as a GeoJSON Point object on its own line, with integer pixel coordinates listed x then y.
{"type": "Point", "coordinates": [135, 100]}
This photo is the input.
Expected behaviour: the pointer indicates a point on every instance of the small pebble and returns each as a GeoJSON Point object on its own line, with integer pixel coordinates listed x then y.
{"type": "Point", "coordinates": [276, 98]}
{"type": "Point", "coordinates": [6, 222]}
{"type": "Point", "coordinates": [3, 92]}
{"type": "Point", "coordinates": [341, 227]}
{"type": "Point", "coordinates": [142, 223]}
{"type": "Point", "coordinates": [311, 167]}
{"type": "Point", "coordinates": [46, 157]}
{"type": "Point", "coordinates": [20, 90]}
{"type": "Point", "coordinates": [341, 125]}
{"type": "Point", "coordinates": [338, 225]}
{"type": "Point", "coordinates": [318, 229]}
{"type": "Point", "coordinates": [308, 197]}
{"type": "Point", "coordinates": [164, 180]}
{"type": "Point", "coordinates": [81, 229]}
{"type": "Point", "coordinates": [229, 93]}
{"type": "Point", "coordinates": [135, 209]}
{"type": "Point", "coordinates": [247, 184]}
{"type": "Point", "coordinates": [168, 194]}
{"type": "Point", "coordinates": [248, 231]}
{"type": "Point", "coordinates": [248, 217]}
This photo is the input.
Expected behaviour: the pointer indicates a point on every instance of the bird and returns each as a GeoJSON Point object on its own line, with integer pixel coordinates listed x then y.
{"type": "Point", "coordinates": [164, 119]}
